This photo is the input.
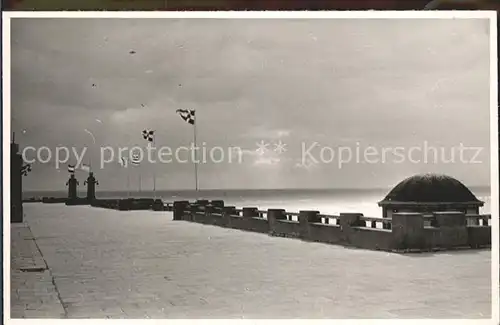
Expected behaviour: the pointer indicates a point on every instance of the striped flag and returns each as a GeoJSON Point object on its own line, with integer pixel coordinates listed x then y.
{"type": "Point", "coordinates": [187, 115]}
{"type": "Point", "coordinates": [25, 169]}
{"type": "Point", "coordinates": [148, 135]}
{"type": "Point", "coordinates": [124, 162]}
{"type": "Point", "coordinates": [85, 167]}
{"type": "Point", "coordinates": [135, 160]}
{"type": "Point", "coordinates": [71, 169]}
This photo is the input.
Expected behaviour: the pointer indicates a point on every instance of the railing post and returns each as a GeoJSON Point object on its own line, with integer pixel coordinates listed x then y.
{"type": "Point", "coordinates": [346, 222]}
{"type": "Point", "coordinates": [227, 212]}
{"type": "Point", "coordinates": [217, 203]}
{"type": "Point", "coordinates": [453, 228]}
{"type": "Point", "coordinates": [202, 202]}
{"type": "Point", "coordinates": [408, 230]}
{"type": "Point", "coordinates": [158, 205]}
{"type": "Point", "coordinates": [209, 209]}
{"type": "Point", "coordinates": [179, 209]}
{"type": "Point", "coordinates": [305, 219]}
{"type": "Point", "coordinates": [272, 216]}
{"type": "Point", "coordinates": [250, 212]}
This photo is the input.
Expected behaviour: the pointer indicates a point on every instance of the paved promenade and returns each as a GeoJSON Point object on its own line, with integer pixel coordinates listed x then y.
{"type": "Point", "coordinates": [110, 264]}
{"type": "Point", "coordinates": [32, 292]}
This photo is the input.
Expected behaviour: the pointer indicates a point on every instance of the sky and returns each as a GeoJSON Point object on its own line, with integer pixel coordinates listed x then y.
{"type": "Point", "coordinates": [321, 87]}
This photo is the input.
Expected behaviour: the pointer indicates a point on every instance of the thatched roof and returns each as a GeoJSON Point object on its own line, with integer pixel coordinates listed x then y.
{"type": "Point", "coordinates": [432, 188]}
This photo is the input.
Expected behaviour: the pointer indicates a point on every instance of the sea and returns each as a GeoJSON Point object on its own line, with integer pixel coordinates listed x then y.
{"type": "Point", "coordinates": [327, 201]}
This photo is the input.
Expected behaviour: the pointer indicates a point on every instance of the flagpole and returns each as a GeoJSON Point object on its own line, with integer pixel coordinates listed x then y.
{"type": "Point", "coordinates": [128, 185]}
{"type": "Point", "coordinates": [140, 182]}
{"type": "Point", "coordinates": [196, 156]}
{"type": "Point", "coordinates": [154, 172]}
{"type": "Point", "coordinates": [90, 154]}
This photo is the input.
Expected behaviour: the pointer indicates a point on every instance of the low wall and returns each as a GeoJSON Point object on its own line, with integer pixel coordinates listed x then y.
{"type": "Point", "coordinates": [32, 200]}
{"type": "Point", "coordinates": [404, 232]}
{"type": "Point", "coordinates": [54, 199]}
{"type": "Point", "coordinates": [128, 204]}
{"type": "Point", "coordinates": [115, 204]}
{"type": "Point", "coordinates": [77, 201]}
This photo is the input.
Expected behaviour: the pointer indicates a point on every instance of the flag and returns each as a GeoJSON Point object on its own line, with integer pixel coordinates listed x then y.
{"type": "Point", "coordinates": [148, 135]}
{"type": "Point", "coordinates": [71, 169]}
{"type": "Point", "coordinates": [135, 160]}
{"type": "Point", "coordinates": [124, 162]}
{"type": "Point", "coordinates": [85, 167]}
{"type": "Point", "coordinates": [25, 169]}
{"type": "Point", "coordinates": [187, 115]}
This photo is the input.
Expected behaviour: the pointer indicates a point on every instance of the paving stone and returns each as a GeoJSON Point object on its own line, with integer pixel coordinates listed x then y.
{"type": "Point", "coordinates": [110, 264]}
{"type": "Point", "coordinates": [33, 294]}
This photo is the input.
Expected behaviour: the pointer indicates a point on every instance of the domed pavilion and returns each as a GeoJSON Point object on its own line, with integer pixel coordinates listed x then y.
{"type": "Point", "coordinates": [430, 193]}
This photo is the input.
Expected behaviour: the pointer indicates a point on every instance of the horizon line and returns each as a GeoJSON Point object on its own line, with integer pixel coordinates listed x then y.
{"type": "Point", "coordinates": [239, 189]}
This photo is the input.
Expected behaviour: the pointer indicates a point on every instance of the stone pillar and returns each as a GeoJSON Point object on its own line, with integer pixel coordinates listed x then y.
{"type": "Point", "coordinates": [273, 215]}
{"type": "Point", "coordinates": [408, 230]}
{"type": "Point", "coordinates": [305, 219]}
{"type": "Point", "coordinates": [227, 212]}
{"type": "Point", "coordinates": [346, 222]}
{"type": "Point", "coordinates": [209, 209]}
{"type": "Point", "coordinates": [250, 212]}
{"type": "Point", "coordinates": [217, 203]}
{"type": "Point", "coordinates": [91, 182]}
{"type": "Point", "coordinates": [16, 184]}
{"type": "Point", "coordinates": [453, 228]}
{"type": "Point", "coordinates": [72, 184]}
{"type": "Point", "coordinates": [158, 205]}
{"type": "Point", "coordinates": [202, 202]}
{"type": "Point", "coordinates": [179, 208]}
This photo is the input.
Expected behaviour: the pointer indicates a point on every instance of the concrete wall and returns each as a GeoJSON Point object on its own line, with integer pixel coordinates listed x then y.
{"type": "Point", "coordinates": [254, 224]}
{"type": "Point", "coordinates": [16, 184]}
{"type": "Point", "coordinates": [408, 231]}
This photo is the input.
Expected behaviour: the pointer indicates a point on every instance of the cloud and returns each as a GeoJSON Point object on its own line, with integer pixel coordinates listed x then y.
{"type": "Point", "coordinates": [379, 82]}
{"type": "Point", "coordinates": [269, 134]}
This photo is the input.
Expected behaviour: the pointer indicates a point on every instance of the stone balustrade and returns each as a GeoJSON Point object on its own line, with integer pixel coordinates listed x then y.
{"type": "Point", "coordinates": [404, 232]}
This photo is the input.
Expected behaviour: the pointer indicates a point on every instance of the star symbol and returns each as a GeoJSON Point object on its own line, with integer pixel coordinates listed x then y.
{"type": "Point", "coordinates": [280, 147]}
{"type": "Point", "coordinates": [307, 164]}
{"type": "Point", "coordinates": [262, 147]}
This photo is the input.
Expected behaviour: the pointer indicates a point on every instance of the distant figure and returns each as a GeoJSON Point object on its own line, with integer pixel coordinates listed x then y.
{"type": "Point", "coordinates": [91, 182]}
{"type": "Point", "coordinates": [72, 184]}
